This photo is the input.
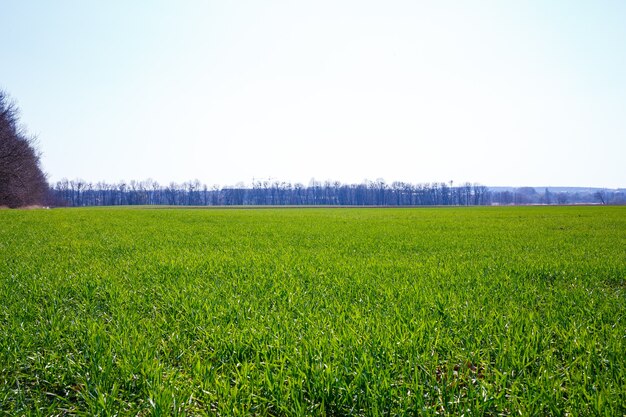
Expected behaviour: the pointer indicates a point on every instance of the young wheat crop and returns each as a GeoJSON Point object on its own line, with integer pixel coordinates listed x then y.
{"type": "Point", "coordinates": [475, 311]}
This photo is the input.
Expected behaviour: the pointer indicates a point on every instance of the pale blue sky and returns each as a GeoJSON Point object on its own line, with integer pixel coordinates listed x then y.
{"type": "Point", "coordinates": [497, 92]}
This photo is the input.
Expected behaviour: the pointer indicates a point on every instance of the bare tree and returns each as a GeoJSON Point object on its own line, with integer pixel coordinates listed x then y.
{"type": "Point", "coordinates": [600, 195]}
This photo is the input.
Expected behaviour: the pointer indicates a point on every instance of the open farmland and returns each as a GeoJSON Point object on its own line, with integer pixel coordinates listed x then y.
{"type": "Point", "coordinates": [313, 311]}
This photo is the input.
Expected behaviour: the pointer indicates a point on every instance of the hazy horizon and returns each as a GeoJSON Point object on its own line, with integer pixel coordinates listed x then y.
{"type": "Point", "coordinates": [500, 94]}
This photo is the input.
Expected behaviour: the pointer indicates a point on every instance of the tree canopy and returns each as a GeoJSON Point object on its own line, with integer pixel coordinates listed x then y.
{"type": "Point", "coordinates": [22, 182]}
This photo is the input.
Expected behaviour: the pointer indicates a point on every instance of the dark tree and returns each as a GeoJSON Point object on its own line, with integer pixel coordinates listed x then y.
{"type": "Point", "coordinates": [22, 182]}
{"type": "Point", "coordinates": [600, 195]}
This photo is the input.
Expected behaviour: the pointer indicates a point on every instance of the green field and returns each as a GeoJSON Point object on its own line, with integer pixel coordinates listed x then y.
{"type": "Point", "coordinates": [474, 311]}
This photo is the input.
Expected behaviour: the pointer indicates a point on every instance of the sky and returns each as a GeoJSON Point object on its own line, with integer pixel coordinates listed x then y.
{"type": "Point", "coordinates": [501, 93]}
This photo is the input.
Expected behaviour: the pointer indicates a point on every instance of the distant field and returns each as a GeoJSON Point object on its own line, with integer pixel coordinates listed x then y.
{"type": "Point", "coordinates": [474, 311]}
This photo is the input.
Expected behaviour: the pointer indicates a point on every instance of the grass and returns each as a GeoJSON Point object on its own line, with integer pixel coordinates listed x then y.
{"type": "Point", "coordinates": [474, 311]}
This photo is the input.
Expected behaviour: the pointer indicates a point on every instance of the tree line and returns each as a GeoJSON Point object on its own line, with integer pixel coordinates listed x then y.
{"type": "Point", "coordinates": [194, 193]}
{"type": "Point", "coordinates": [78, 193]}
